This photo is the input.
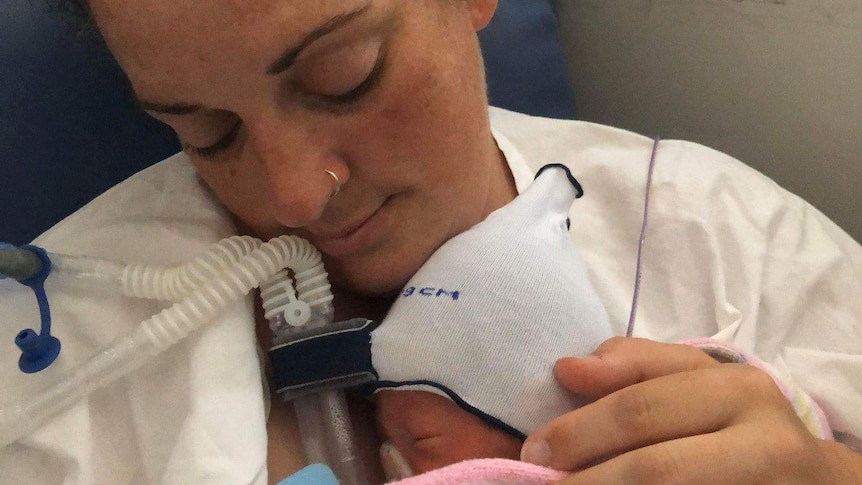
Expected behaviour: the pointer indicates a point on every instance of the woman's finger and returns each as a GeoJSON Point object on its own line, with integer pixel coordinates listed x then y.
{"type": "Point", "coordinates": [741, 455]}
{"type": "Point", "coordinates": [693, 460]}
{"type": "Point", "coordinates": [621, 362]}
{"type": "Point", "coordinates": [659, 410]}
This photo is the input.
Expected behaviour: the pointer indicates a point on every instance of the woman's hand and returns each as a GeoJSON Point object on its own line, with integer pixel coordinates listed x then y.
{"type": "Point", "coordinates": [670, 414]}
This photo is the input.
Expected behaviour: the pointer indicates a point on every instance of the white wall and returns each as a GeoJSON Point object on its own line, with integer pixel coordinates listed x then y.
{"type": "Point", "coordinates": [775, 83]}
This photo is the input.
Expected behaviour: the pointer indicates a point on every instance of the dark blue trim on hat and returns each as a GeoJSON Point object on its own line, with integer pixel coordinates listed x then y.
{"type": "Point", "coordinates": [569, 176]}
{"type": "Point", "coordinates": [493, 421]}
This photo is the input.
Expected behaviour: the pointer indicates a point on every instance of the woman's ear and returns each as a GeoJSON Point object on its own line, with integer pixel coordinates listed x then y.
{"type": "Point", "coordinates": [481, 12]}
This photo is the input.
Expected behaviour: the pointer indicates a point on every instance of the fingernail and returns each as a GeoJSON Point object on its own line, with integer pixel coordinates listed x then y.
{"type": "Point", "coordinates": [586, 358]}
{"type": "Point", "coordinates": [536, 452]}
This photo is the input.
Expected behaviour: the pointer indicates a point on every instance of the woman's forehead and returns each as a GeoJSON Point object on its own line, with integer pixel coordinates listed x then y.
{"type": "Point", "coordinates": [153, 37]}
{"type": "Point", "coordinates": [215, 10]}
{"type": "Point", "coordinates": [169, 24]}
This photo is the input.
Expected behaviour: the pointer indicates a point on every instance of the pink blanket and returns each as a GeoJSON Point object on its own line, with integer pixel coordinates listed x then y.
{"type": "Point", "coordinates": [487, 472]}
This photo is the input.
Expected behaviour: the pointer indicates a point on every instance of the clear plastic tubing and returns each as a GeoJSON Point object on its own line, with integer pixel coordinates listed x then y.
{"type": "Point", "coordinates": [84, 273]}
{"type": "Point", "coordinates": [143, 280]}
{"type": "Point", "coordinates": [327, 434]}
{"type": "Point", "coordinates": [158, 333]}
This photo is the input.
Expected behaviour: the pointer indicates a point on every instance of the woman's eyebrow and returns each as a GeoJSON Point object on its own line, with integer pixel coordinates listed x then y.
{"type": "Point", "coordinates": [169, 109]}
{"type": "Point", "coordinates": [288, 57]}
{"type": "Point", "coordinates": [284, 61]}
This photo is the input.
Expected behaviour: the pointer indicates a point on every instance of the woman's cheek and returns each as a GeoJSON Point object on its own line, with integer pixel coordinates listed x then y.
{"type": "Point", "coordinates": [241, 189]}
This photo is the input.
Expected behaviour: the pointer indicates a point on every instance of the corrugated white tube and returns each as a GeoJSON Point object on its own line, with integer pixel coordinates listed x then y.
{"type": "Point", "coordinates": [174, 284]}
{"type": "Point", "coordinates": [313, 292]}
{"type": "Point", "coordinates": [158, 333]}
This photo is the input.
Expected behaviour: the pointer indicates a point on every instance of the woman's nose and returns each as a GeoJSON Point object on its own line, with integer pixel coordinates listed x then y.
{"type": "Point", "coordinates": [300, 170]}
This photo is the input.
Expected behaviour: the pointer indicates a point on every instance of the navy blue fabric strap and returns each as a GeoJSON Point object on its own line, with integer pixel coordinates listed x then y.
{"type": "Point", "coordinates": [314, 360]}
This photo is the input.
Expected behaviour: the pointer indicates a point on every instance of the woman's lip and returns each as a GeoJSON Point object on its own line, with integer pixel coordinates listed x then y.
{"type": "Point", "coordinates": [341, 233]}
{"type": "Point", "coordinates": [355, 237]}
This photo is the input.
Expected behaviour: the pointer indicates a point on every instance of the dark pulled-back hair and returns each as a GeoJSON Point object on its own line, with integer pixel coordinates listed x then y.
{"type": "Point", "coordinates": [76, 10]}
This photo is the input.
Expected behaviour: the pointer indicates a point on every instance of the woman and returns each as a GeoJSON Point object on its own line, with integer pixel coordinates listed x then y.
{"type": "Point", "coordinates": [362, 125]}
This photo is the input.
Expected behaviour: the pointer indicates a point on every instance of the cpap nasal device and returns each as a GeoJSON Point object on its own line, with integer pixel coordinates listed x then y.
{"type": "Point", "coordinates": [199, 290]}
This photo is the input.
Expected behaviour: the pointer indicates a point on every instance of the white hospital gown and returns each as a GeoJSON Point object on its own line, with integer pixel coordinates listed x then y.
{"type": "Point", "coordinates": [728, 255]}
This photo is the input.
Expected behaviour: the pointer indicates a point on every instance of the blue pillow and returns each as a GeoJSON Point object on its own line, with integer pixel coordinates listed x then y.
{"type": "Point", "coordinates": [524, 60]}
{"type": "Point", "coordinates": [68, 130]}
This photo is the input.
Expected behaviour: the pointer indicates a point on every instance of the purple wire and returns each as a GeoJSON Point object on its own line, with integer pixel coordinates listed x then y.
{"type": "Point", "coordinates": [637, 288]}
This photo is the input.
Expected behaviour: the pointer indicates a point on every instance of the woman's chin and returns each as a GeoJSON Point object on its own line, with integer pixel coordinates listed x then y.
{"type": "Point", "coordinates": [377, 280]}
{"type": "Point", "coordinates": [369, 285]}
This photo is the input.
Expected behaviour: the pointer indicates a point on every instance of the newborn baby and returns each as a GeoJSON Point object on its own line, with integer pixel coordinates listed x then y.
{"type": "Point", "coordinates": [464, 358]}
{"type": "Point", "coordinates": [462, 364]}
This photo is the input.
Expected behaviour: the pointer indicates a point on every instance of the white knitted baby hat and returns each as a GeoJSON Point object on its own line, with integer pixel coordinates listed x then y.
{"type": "Point", "coordinates": [484, 320]}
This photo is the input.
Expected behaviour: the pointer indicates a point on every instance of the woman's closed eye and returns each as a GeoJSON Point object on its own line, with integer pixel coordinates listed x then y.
{"type": "Point", "coordinates": [211, 151]}
{"type": "Point", "coordinates": [338, 76]}
{"type": "Point", "coordinates": [363, 88]}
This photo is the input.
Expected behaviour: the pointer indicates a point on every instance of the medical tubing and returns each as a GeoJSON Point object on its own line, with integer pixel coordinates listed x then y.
{"type": "Point", "coordinates": [311, 303]}
{"type": "Point", "coordinates": [88, 273]}
{"type": "Point", "coordinates": [17, 263]}
{"type": "Point", "coordinates": [28, 263]}
{"type": "Point", "coordinates": [145, 280]}
{"type": "Point", "coordinates": [630, 329]}
{"type": "Point", "coordinates": [156, 334]}
{"type": "Point", "coordinates": [327, 434]}
{"type": "Point", "coordinates": [312, 431]}
{"type": "Point", "coordinates": [174, 284]}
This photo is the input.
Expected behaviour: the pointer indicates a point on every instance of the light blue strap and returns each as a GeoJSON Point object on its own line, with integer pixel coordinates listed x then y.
{"type": "Point", "coordinates": [316, 474]}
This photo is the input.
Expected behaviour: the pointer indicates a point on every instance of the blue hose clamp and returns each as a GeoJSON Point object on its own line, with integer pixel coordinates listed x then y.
{"type": "Point", "coordinates": [38, 351]}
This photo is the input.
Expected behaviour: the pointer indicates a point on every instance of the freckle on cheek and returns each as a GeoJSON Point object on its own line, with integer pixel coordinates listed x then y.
{"type": "Point", "coordinates": [232, 172]}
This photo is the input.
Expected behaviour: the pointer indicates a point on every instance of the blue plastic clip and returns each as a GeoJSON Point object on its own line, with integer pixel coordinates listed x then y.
{"type": "Point", "coordinates": [38, 351]}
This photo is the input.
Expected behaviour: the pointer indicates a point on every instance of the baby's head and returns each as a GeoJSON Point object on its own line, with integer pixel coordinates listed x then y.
{"type": "Point", "coordinates": [425, 431]}
{"type": "Point", "coordinates": [465, 355]}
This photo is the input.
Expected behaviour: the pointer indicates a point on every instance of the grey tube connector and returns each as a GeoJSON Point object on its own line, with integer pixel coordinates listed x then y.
{"type": "Point", "coordinates": [19, 264]}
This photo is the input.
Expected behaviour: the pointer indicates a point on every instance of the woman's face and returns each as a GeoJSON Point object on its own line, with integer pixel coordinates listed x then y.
{"type": "Point", "coordinates": [267, 95]}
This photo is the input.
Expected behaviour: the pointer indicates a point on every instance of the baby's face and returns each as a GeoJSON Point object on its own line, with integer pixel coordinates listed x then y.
{"type": "Point", "coordinates": [431, 431]}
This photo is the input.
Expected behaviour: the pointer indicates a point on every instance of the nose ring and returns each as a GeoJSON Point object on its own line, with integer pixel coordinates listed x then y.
{"type": "Point", "coordinates": [337, 183]}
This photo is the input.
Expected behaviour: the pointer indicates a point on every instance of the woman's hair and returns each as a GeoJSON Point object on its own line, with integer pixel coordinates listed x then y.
{"type": "Point", "coordinates": [77, 10]}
